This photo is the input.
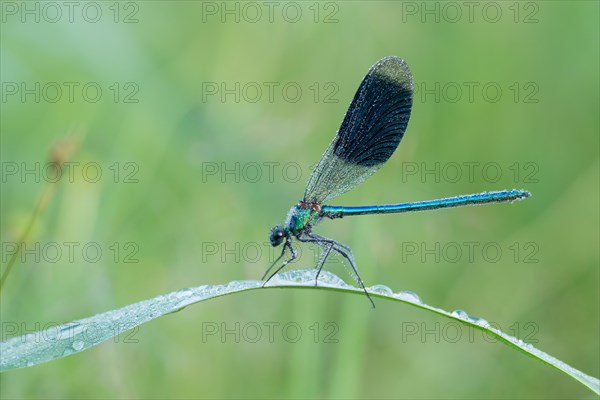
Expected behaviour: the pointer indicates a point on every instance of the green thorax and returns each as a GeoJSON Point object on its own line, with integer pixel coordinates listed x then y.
{"type": "Point", "coordinates": [302, 217]}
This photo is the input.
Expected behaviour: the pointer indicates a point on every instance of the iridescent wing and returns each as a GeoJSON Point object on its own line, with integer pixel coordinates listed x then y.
{"type": "Point", "coordinates": [370, 132]}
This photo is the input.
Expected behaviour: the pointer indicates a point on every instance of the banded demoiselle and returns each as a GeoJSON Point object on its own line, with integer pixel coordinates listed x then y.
{"type": "Point", "coordinates": [370, 133]}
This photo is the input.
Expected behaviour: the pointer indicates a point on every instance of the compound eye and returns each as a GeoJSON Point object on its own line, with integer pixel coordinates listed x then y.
{"type": "Point", "coordinates": [277, 236]}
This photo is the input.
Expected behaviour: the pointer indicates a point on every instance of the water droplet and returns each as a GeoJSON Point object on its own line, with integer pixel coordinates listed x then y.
{"type": "Point", "coordinates": [299, 276]}
{"type": "Point", "coordinates": [239, 285]}
{"type": "Point", "coordinates": [462, 314]}
{"type": "Point", "coordinates": [479, 321]}
{"type": "Point", "coordinates": [529, 347]}
{"type": "Point", "coordinates": [409, 296]}
{"type": "Point", "coordinates": [274, 281]}
{"type": "Point", "coordinates": [185, 292]}
{"type": "Point", "coordinates": [78, 345]}
{"type": "Point", "coordinates": [381, 289]}
{"type": "Point", "coordinates": [234, 285]}
{"type": "Point", "coordinates": [216, 290]}
{"type": "Point", "coordinates": [67, 351]}
{"type": "Point", "coordinates": [332, 280]}
{"type": "Point", "coordinates": [51, 334]}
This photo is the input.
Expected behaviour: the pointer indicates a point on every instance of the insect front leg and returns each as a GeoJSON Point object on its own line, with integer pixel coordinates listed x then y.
{"type": "Point", "coordinates": [294, 255]}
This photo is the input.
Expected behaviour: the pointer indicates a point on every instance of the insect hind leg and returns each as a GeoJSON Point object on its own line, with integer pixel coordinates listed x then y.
{"type": "Point", "coordinates": [344, 251]}
{"type": "Point", "coordinates": [348, 256]}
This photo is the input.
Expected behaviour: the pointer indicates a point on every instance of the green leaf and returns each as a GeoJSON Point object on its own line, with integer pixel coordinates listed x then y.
{"type": "Point", "coordinates": [76, 336]}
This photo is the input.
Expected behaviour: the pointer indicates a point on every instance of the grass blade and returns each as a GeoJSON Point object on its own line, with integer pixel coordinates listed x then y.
{"type": "Point", "coordinates": [76, 336]}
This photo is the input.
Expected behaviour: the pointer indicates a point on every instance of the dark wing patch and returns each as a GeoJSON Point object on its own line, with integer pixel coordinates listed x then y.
{"type": "Point", "coordinates": [378, 115]}
{"type": "Point", "coordinates": [370, 132]}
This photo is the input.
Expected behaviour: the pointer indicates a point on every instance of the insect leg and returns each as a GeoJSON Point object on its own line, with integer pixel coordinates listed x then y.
{"type": "Point", "coordinates": [283, 264]}
{"type": "Point", "coordinates": [345, 252]}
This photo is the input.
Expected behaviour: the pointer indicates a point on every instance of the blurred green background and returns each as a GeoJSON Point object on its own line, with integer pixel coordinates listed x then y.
{"type": "Point", "coordinates": [197, 164]}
